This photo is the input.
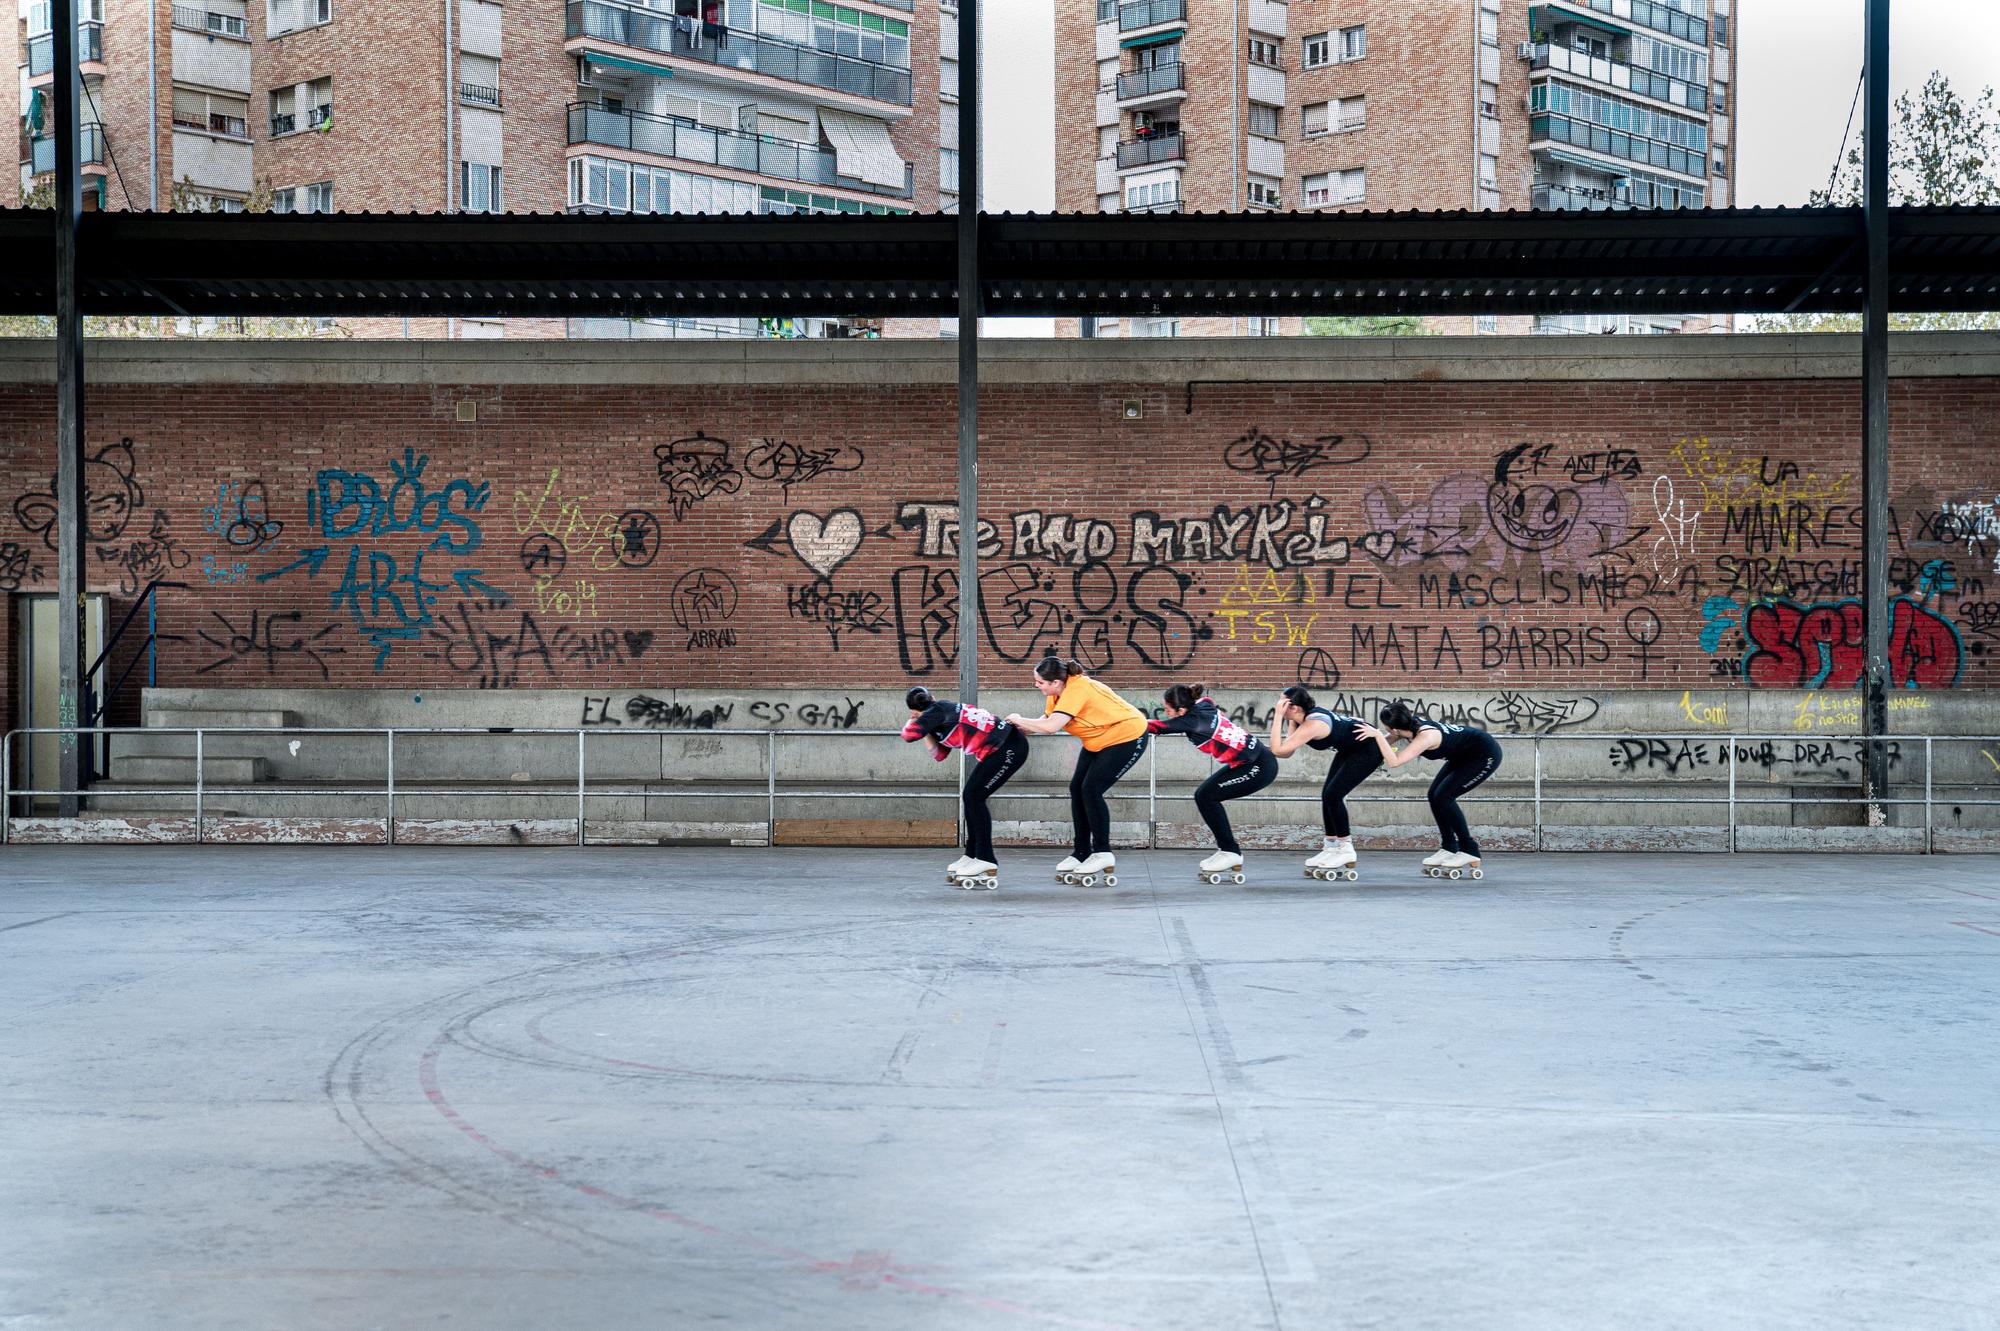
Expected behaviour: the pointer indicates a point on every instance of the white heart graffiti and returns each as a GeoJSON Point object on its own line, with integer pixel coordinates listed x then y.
{"type": "Point", "coordinates": [824, 544]}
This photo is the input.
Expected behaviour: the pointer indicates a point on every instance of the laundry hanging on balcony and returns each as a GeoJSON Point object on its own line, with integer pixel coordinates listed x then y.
{"type": "Point", "coordinates": [862, 148]}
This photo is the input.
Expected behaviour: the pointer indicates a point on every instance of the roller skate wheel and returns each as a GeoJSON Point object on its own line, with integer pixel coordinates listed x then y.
{"type": "Point", "coordinates": [1349, 875]}
{"type": "Point", "coordinates": [1086, 880]}
{"type": "Point", "coordinates": [1478, 874]}
{"type": "Point", "coordinates": [1111, 880]}
{"type": "Point", "coordinates": [1236, 878]}
{"type": "Point", "coordinates": [1455, 875]}
{"type": "Point", "coordinates": [1211, 878]}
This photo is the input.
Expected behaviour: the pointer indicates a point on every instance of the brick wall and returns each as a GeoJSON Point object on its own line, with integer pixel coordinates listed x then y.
{"type": "Point", "coordinates": [1394, 535]}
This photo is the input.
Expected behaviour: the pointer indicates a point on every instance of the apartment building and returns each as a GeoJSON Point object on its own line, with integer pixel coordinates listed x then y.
{"type": "Point", "coordinates": [616, 106]}
{"type": "Point", "coordinates": [1341, 105]}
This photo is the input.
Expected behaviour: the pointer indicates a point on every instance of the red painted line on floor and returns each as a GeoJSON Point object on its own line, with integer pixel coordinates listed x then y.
{"type": "Point", "coordinates": [1976, 928]}
{"type": "Point", "coordinates": [427, 1077]}
{"type": "Point", "coordinates": [1983, 896]}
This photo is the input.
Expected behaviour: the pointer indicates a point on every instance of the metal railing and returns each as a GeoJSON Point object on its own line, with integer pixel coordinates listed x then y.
{"type": "Point", "coordinates": [233, 127]}
{"type": "Point", "coordinates": [1152, 82]}
{"type": "Point", "coordinates": [1619, 74]}
{"type": "Point", "coordinates": [1725, 777]}
{"type": "Point", "coordinates": [284, 124]}
{"type": "Point", "coordinates": [650, 30]}
{"type": "Point", "coordinates": [42, 152]}
{"type": "Point", "coordinates": [479, 94]}
{"type": "Point", "coordinates": [206, 21]}
{"type": "Point", "coordinates": [97, 702]}
{"type": "Point", "coordinates": [1145, 152]}
{"type": "Point", "coordinates": [1568, 198]}
{"type": "Point", "coordinates": [1157, 206]}
{"type": "Point", "coordinates": [1145, 13]}
{"type": "Point", "coordinates": [675, 136]}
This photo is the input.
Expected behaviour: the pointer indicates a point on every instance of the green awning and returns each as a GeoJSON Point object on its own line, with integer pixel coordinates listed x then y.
{"type": "Point", "coordinates": [636, 66]}
{"type": "Point", "coordinates": [1589, 163]}
{"type": "Point", "coordinates": [1541, 18]}
{"type": "Point", "coordinates": [1152, 39]}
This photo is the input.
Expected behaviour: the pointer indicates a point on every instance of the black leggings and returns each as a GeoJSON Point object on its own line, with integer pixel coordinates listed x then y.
{"type": "Point", "coordinates": [1233, 783]}
{"type": "Point", "coordinates": [1351, 766]}
{"type": "Point", "coordinates": [986, 779]}
{"type": "Point", "coordinates": [1460, 775]}
{"type": "Point", "coordinates": [1096, 772]}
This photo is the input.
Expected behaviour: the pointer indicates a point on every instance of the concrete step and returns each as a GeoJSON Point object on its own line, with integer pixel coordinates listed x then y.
{"type": "Point", "coordinates": [232, 718]}
{"type": "Point", "coordinates": [179, 769]}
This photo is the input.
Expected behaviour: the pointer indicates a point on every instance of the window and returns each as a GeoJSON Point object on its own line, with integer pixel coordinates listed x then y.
{"type": "Point", "coordinates": [478, 79]}
{"type": "Point", "coordinates": [1350, 113]}
{"type": "Point", "coordinates": [1264, 120]}
{"type": "Point", "coordinates": [284, 106]}
{"type": "Point", "coordinates": [1489, 27]}
{"type": "Point", "coordinates": [1489, 171]}
{"type": "Point", "coordinates": [1317, 192]}
{"type": "Point", "coordinates": [1107, 140]}
{"type": "Point", "coordinates": [211, 113]}
{"type": "Point", "coordinates": [948, 79]}
{"type": "Point", "coordinates": [319, 104]}
{"type": "Point", "coordinates": [1722, 29]}
{"type": "Point", "coordinates": [1721, 100]}
{"type": "Point", "coordinates": [1353, 43]}
{"type": "Point", "coordinates": [1264, 192]}
{"type": "Point", "coordinates": [1159, 327]}
{"type": "Point", "coordinates": [1107, 75]}
{"type": "Point", "coordinates": [1313, 119]}
{"type": "Point", "coordinates": [1153, 196]}
{"type": "Point", "coordinates": [1264, 51]}
{"type": "Point", "coordinates": [1489, 100]}
{"type": "Point", "coordinates": [283, 16]}
{"type": "Point", "coordinates": [1319, 50]}
{"type": "Point", "coordinates": [1721, 162]}
{"type": "Point", "coordinates": [1353, 186]}
{"type": "Point", "coordinates": [1107, 203]}
{"type": "Point", "coordinates": [479, 188]}
{"type": "Point", "coordinates": [1486, 323]}
{"type": "Point", "coordinates": [304, 199]}
{"type": "Point", "coordinates": [948, 170]}
{"type": "Point", "coordinates": [1261, 325]}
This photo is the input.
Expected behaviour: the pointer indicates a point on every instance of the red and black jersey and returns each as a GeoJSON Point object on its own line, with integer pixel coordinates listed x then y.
{"type": "Point", "coordinates": [1211, 732]}
{"type": "Point", "coordinates": [957, 726]}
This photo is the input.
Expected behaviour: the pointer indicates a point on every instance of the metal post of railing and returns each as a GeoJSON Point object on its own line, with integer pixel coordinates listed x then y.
{"type": "Point", "coordinates": [6, 775]}
{"type": "Point", "coordinates": [200, 770]}
{"type": "Point", "coordinates": [1153, 796]}
{"type": "Point", "coordinates": [1732, 796]}
{"type": "Point", "coordinates": [579, 785]}
{"type": "Point", "coordinates": [389, 827]}
{"type": "Point", "coordinates": [770, 787]}
{"type": "Point", "coordinates": [1538, 792]}
{"type": "Point", "coordinates": [958, 809]}
{"type": "Point", "coordinates": [1927, 795]}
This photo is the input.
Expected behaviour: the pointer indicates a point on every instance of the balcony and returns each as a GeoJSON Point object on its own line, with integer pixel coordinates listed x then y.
{"type": "Point", "coordinates": [1145, 83]}
{"type": "Point", "coordinates": [1152, 151]}
{"type": "Point", "coordinates": [195, 19]}
{"type": "Point", "coordinates": [650, 30]}
{"type": "Point", "coordinates": [42, 49]}
{"type": "Point", "coordinates": [1138, 14]}
{"type": "Point", "coordinates": [666, 136]}
{"type": "Point", "coordinates": [1162, 206]}
{"type": "Point", "coordinates": [42, 152]}
{"type": "Point", "coordinates": [228, 127]}
{"type": "Point", "coordinates": [478, 94]}
{"type": "Point", "coordinates": [1566, 198]}
{"type": "Point", "coordinates": [284, 124]}
{"type": "Point", "coordinates": [1617, 74]}
{"type": "Point", "coordinates": [1660, 18]}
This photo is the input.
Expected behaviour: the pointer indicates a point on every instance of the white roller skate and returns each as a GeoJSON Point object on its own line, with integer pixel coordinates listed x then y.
{"type": "Point", "coordinates": [976, 875]}
{"type": "Point", "coordinates": [1462, 864]}
{"type": "Point", "coordinates": [1066, 871]}
{"type": "Point", "coordinates": [1223, 864]}
{"type": "Point", "coordinates": [1336, 861]}
{"type": "Point", "coordinates": [1434, 863]}
{"type": "Point", "coordinates": [956, 869]}
{"type": "Point", "coordinates": [1101, 865]}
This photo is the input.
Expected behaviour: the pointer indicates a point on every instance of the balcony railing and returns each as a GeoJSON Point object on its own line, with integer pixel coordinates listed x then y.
{"type": "Point", "coordinates": [478, 93]}
{"type": "Point", "coordinates": [650, 30]}
{"type": "Point", "coordinates": [1146, 13]}
{"type": "Point", "coordinates": [1162, 206]}
{"type": "Point", "coordinates": [42, 152]}
{"type": "Point", "coordinates": [667, 136]}
{"type": "Point", "coordinates": [1146, 152]}
{"type": "Point", "coordinates": [1152, 82]}
{"type": "Point", "coordinates": [42, 49]}
{"type": "Point", "coordinates": [196, 19]}
{"type": "Point", "coordinates": [1565, 198]}
{"type": "Point", "coordinates": [283, 124]}
{"type": "Point", "coordinates": [1661, 18]}
{"type": "Point", "coordinates": [1617, 74]}
{"type": "Point", "coordinates": [234, 127]}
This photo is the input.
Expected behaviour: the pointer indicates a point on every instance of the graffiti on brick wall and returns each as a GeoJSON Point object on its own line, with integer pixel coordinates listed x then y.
{"type": "Point", "coordinates": [1823, 645]}
{"type": "Point", "coordinates": [1256, 453]}
{"type": "Point", "coordinates": [278, 640]}
{"type": "Point", "coordinates": [695, 470]}
{"type": "Point", "coordinates": [1102, 617]}
{"type": "Point", "coordinates": [791, 464]}
{"type": "Point", "coordinates": [704, 602]}
{"type": "Point", "coordinates": [112, 496]}
{"type": "Point", "coordinates": [241, 516]}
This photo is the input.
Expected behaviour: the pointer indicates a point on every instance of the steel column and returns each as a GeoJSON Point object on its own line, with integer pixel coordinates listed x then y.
{"type": "Point", "coordinates": [68, 90]}
{"type": "Point", "coordinates": [1875, 410]}
{"type": "Point", "coordinates": [969, 306]}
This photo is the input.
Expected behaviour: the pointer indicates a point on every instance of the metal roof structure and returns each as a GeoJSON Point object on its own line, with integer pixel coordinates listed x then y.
{"type": "Point", "coordinates": [1692, 260]}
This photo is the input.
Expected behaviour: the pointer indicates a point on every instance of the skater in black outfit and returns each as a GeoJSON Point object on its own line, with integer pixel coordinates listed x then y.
{"type": "Point", "coordinates": [1000, 750]}
{"type": "Point", "coordinates": [1247, 767]}
{"type": "Point", "coordinates": [1298, 722]}
{"type": "Point", "coordinates": [1469, 755]}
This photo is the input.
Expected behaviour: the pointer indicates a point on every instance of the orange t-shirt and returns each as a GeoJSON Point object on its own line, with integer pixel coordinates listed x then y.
{"type": "Point", "coordinates": [1098, 717]}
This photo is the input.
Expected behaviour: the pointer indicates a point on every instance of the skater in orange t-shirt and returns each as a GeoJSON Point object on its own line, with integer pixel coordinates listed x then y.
{"type": "Point", "coordinates": [1113, 733]}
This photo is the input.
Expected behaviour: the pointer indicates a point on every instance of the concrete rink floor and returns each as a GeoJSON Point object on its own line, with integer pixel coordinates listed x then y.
{"type": "Point", "coordinates": [349, 1088]}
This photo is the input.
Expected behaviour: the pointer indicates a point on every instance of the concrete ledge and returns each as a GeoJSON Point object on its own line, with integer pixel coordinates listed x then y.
{"type": "Point", "coordinates": [1168, 361]}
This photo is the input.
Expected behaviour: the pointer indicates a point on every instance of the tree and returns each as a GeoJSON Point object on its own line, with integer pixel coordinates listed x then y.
{"type": "Point", "coordinates": [1943, 150]}
{"type": "Point", "coordinates": [1366, 325]}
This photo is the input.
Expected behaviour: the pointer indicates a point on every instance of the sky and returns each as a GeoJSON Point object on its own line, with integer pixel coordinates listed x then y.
{"type": "Point", "coordinates": [1797, 62]}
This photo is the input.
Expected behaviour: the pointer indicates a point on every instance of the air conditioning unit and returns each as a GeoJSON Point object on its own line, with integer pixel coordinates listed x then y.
{"type": "Point", "coordinates": [1526, 50]}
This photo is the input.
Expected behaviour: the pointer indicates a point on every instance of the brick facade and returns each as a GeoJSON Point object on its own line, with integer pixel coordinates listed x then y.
{"type": "Point", "coordinates": [1607, 533]}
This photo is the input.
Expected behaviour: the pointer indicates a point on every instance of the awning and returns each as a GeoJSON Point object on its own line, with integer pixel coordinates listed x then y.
{"type": "Point", "coordinates": [620, 62]}
{"type": "Point", "coordinates": [1588, 163]}
{"type": "Point", "coordinates": [862, 148]}
{"type": "Point", "coordinates": [1152, 39]}
{"type": "Point", "coordinates": [1541, 18]}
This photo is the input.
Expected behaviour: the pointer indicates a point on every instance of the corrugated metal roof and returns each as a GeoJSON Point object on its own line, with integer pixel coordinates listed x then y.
{"type": "Point", "coordinates": [1694, 261]}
